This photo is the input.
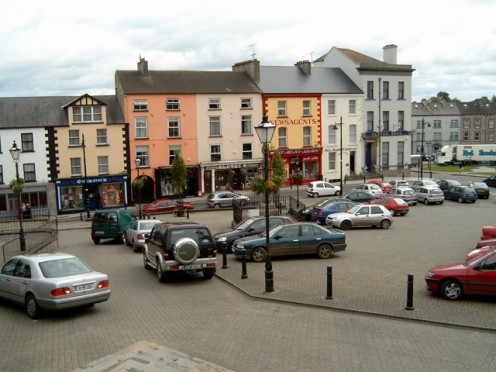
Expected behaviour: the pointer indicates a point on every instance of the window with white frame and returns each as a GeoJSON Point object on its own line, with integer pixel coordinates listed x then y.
{"type": "Point", "coordinates": [331, 107]}
{"type": "Point", "coordinates": [141, 127]}
{"type": "Point", "coordinates": [436, 123]}
{"type": "Point", "coordinates": [307, 136]}
{"type": "Point", "coordinates": [282, 137]}
{"type": "Point", "coordinates": [172, 104]}
{"type": "Point", "coordinates": [281, 108]}
{"type": "Point", "coordinates": [477, 123]}
{"type": "Point", "coordinates": [370, 121]}
{"type": "Point", "coordinates": [437, 136]}
{"type": "Point", "coordinates": [140, 105]}
{"type": "Point", "coordinates": [419, 124]}
{"type": "Point", "coordinates": [352, 106]}
{"type": "Point", "coordinates": [454, 123]}
{"type": "Point", "coordinates": [173, 150]}
{"type": "Point", "coordinates": [86, 114]}
{"type": "Point", "coordinates": [27, 144]}
{"type": "Point", "coordinates": [246, 124]}
{"type": "Point", "coordinates": [331, 134]}
{"type": "Point", "coordinates": [103, 165]}
{"type": "Point", "coordinates": [74, 137]}
{"type": "Point", "coordinates": [385, 121]}
{"type": "Point", "coordinates": [246, 103]}
{"type": "Point", "coordinates": [401, 153]}
{"type": "Point", "coordinates": [331, 162]}
{"type": "Point", "coordinates": [370, 90]}
{"type": "Point", "coordinates": [490, 137]}
{"type": "Point", "coordinates": [101, 136]}
{"type": "Point", "coordinates": [29, 172]}
{"type": "Point", "coordinates": [143, 154]}
{"type": "Point", "coordinates": [385, 90]}
{"type": "Point", "coordinates": [214, 103]}
{"type": "Point", "coordinates": [476, 136]}
{"type": "Point", "coordinates": [453, 136]}
{"type": "Point", "coordinates": [385, 154]}
{"type": "Point", "coordinates": [466, 123]}
{"type": "Point", "coordinates": [401, 120]}
{"type": "Point", "coordinates": [1, 174]}
{"type": "Point", "coordinates": [247, 151]}
{"type": "Point", "coordinates": [306, 108]}
{"type": "Point", "coordinates": [75, 167]}
{"type": "Point", "coordinates": [353, 134]}
{"type": "Point", "coordinates": [466, 136]}
{"type": "Point", "coordinates": [174, 127]}
{"type": "Point", "coordinates": [401, 90]}
{"type": "Point", "coordinates": [214, 122]}
{"type": "Point", "coordinates": [490, 123]}
{"type": "Point", "coordinates": [215, 153]}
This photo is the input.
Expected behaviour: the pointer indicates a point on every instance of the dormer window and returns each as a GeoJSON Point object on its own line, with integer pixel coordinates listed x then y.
{"type": "Point", "coordinates": [87, 114]}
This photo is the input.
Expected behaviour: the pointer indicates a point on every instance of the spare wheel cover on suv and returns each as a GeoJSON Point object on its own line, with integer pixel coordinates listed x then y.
{"type": "Point", "coordinates": [186, 251]}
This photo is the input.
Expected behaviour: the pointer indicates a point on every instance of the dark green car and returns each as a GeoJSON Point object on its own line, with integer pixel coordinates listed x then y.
{"type": "Point", "coordinates": [110, 224]}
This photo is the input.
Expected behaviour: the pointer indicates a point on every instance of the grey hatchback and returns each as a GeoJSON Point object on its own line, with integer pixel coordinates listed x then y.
{"type": "Point", "coordinates": [219, 199]}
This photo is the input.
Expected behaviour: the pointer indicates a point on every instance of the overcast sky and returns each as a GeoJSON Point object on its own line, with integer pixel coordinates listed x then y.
{"type": "Point", "coordinates": [55, 47]}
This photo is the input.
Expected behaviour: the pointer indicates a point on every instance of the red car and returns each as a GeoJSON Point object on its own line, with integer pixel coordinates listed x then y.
{"type": "Point", "coordinates": [165, 205]}
{"type": "Point", "coordinates": [398, 206]}
{"type": "Point", "coordinates": [477, 252]}
{"type": "Point", "coordinates": [488, 232]}
{"type": "Point", "coordinates": [385, 186]}
{"type": "Point", "coordinates": [474, 277]}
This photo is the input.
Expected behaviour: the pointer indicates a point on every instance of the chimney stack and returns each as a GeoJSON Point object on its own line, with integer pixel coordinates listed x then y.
{"type": "Point", "coordinates": [305, 66]}
{"type": "Point", "coordinates": [390, 54]}
{"type": "Point", "coordinates": [143, 66]}
{"type": "Point", "coordinates": [251, 67]}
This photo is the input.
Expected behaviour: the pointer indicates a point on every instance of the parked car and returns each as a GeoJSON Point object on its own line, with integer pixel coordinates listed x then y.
{"type": "Point", "coordinates": [478, 252]}
{"type": "Point", "coordinates": [405, 193]}
{"type": "Point", "coordinates": [319, 214]}
{"type": "Point", "coordinates": [486, 242]}
{"type": "Point", "coordinates": [446, 184]}
{"type": "Point", "coordinates": [399, 183]}
{"type": "Point", "coordinates": [110, 224]}
{"type": "Point", "coordinates": [166, 205]}
{"type": "Point", "coordinates": [295, 239]}
{"type": "Point", "coordinates": [398, 206]}
{"type": "Point", "coordinates": [490, 181]}
{"type": "Point", "coordinates": [369, 187]}
{"type": "Point", "coordinates": [51, 281]}
{"type": "Point", "coordinates": [430, 195]}
{"type": "Point", "coordinates": [180, 247]}
{"type": "Point", "coordinates": [385, 186]}
{"type": "Point", "coordinates": [249, 227]}
{"type": "Point", "coordinates": [220, 199]}
{"type": "Point", "coordinates": [421, 183]}
{"type": "Point", "coordinates": [480, 188]}
{"type": "Point", "coordinates": [361, 215]}
{"type": "Point", "coordinates": [359, 196]}
{"type": "Point", "coordinates": [137, 232]}
{"type": "Point", "coordinates": [321, 188]}
{"type": "Point", "coordinates": [474, 277]}
{"type": "Point", "coordinates": [307, 213]}
{"type": "Point", "coordinates": [462, 194]}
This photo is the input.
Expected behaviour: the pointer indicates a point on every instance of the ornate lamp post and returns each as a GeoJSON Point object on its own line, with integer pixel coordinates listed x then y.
{"type": "Point", "coordinates": [137, 162]}
{"type": "Point", "coordinates": [15, 152]}
{"type": "Point", "coordinates": [265, 131]}
{"type": "Point", "coordinates": [335, 127]}
{"type": "Point", "coordinates": [297, 162]}
{"type": "Point", "coordinates": [422, 148]}
{"type": "Point", "coordinates": [85, 194]}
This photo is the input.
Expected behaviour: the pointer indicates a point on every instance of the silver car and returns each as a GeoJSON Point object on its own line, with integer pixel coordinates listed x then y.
{"type": "Point", "coordinates": [137, 232]}
{"type": "Point", "coordinates": [405, 193]}
{"type": "Point", "coordinates": [430, 195]}
{"type": "Point", "coordinates": [361, 215]}
{"type": "Point", "coordinates": [51, 281]}
{"type": "Point", "coordinates": [220, 199]}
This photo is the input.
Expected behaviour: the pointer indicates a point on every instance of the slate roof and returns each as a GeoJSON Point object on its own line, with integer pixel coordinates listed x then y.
{"type": "Point", "coordinates": [426, 108]}
{"type": "Point", "coordinates": [477, 108]}
{"type": "Point", "coordinates": [185, 82]}
{"type": "Point", "coordinates": [40, 112]}
{"type": "Point", "coordinates": [291, 79]}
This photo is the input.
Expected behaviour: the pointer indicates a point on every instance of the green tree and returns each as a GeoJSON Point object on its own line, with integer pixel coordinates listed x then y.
{"type": "Point", "coordinates": [179, 175]}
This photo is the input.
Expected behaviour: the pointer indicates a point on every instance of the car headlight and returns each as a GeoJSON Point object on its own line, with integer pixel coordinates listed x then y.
{"type": "Point", "coordinates": [240, 246]}
{"type": "Point", "coordinates": [430, 274]}
{"type": "Point", "coordinates": [223, 239]}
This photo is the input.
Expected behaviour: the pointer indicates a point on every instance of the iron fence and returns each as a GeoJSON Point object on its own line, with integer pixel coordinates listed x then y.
{"type": "Point", "coordinates": [278, 206]}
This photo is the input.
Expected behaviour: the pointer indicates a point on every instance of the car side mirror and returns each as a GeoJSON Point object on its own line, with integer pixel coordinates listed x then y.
{"type": "Point", "coordinates": [277, 237]}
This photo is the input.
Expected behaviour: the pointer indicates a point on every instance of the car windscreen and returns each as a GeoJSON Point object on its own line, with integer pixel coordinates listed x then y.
{"type": "Point", "coordinates": [147, 225]}
{"type": "Point", "coordinates": [63, 267]}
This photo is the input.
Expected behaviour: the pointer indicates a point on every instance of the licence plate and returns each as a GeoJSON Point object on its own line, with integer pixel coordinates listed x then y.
{"type": "Point", "coordinates": [84, 287]}
{"type": "Point", "coordinates": [192, 267]}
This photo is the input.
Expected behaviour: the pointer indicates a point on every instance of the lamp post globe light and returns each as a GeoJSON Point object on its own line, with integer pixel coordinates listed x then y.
{"type": "Point", "coordinates": [137, 162]}
{"type": "Point", "coordinates": [265, 131]}
{"type": "Point", "coordinates": [15, 152]}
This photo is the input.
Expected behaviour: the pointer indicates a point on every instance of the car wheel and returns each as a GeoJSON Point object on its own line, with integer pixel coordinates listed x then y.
{"type": "Point", "coordinates": [426, 202]}
{"type": "Point", "coordinates": [324, 251]}
{"type": "Point", "coordinates": [338, 193]}
{"type": "Point", "coordinates": [345, 225]}
{"type": "Point", "coordinates": [258, 255]}
{"type": "Point", "coordinates": [146, 265]}
{"type": "Point", "coordinates": [451, 290]}
{"type": "Point", "coordinates": [217, 205]}
{"type": "Point", "coordinates": [315, 194]}
{"type": "Point", "coordinates": [385, 224]}
{"type": "Point", "coordinates": [208, 273]}
{"type": "Point", "coordinates": [460, 200]}
{"type": "Point", "coordinates": [162, 276]}
{"type": "Point", "coordinates": [32, 307]}
{"type": "Point", "coordinates": [96, 240]}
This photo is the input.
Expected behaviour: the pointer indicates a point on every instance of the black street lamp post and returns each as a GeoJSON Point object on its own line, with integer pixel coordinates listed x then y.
{"type": "Point", "coordinates": [15, 152]}
{"type": "Point", "coordinates": [297, 162]}
{"type": "Point", "coordinates": [340, 124]}
{"type": "Point", "coordinates": [137, 162]}
{"type": "Point", "coordinates": [265, 130]}
{"type": "Point", "coordinates": [86, 206]}
{"type": "Point", "coordinates": [422, 148]}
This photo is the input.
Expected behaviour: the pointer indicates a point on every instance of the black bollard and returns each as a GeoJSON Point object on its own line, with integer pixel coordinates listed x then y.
{"type": "Point", "coordinates": [329, 283]}
{"type": "Point", "coordinates": [187, 214]}
{"type": "Point", "coordinates": [244, 275]}
{"type": "Point", "coordinates": [224, 255]}
{"type": "Point", "coordinates": [409, 295]}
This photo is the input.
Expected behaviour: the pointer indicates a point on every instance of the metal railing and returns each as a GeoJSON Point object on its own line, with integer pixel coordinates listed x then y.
{"type": "Point", "coordinates": [278, 206]}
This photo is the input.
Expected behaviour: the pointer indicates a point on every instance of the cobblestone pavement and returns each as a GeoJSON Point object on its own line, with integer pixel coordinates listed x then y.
{"type": "Point", "coordinates": [232, 322]}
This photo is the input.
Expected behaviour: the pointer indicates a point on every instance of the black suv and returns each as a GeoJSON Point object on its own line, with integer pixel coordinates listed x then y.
{"type": "Point", "coordinates": [173, 247]}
